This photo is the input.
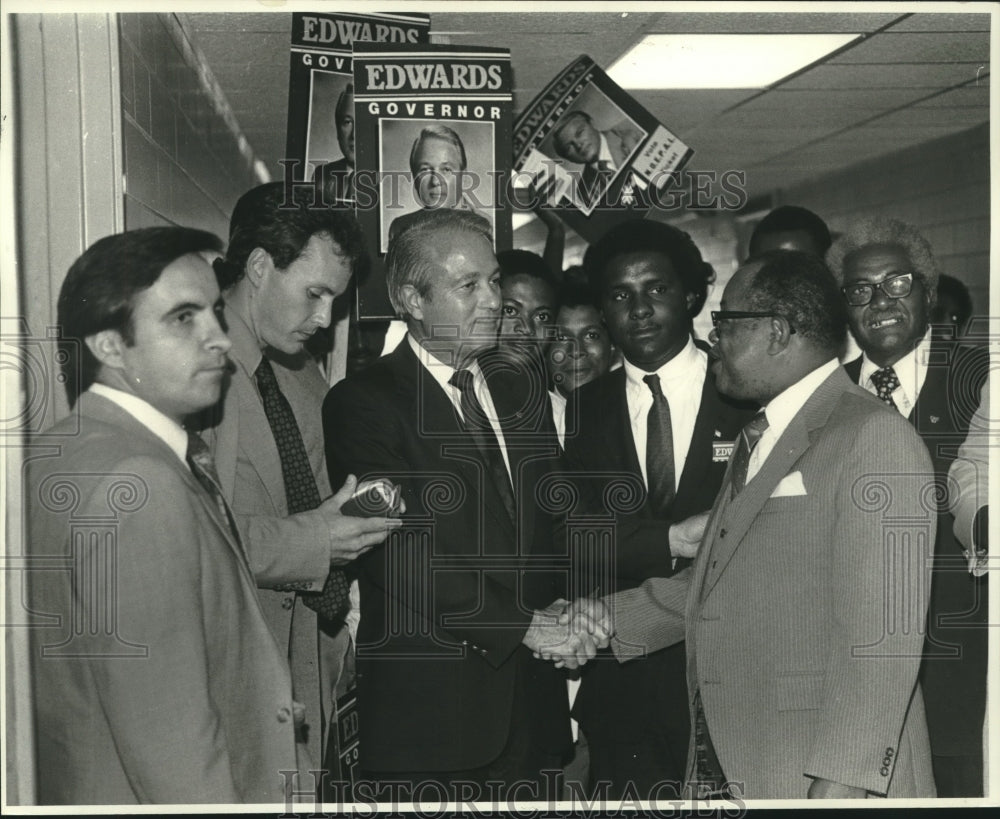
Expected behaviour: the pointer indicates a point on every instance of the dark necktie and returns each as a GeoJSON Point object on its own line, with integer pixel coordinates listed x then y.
{"type": "Point", "coordinates": [886, 382]}
{"type": "Point", "coordinates": [659, 450]}
{"type": "Point", "coordinates": [478, 425]}
{"type": "Point", "coordinates": [301, 492]}
{"type": "Point", "coordinates": [749, 436]}
{"type": "Point", "coordinates": [202, 465]}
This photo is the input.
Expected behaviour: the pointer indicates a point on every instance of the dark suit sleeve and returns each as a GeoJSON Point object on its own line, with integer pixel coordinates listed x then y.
{"type": "Point", "coordinates": [642, 547]}
{"type": "Point", "coordinates": [162, 717]}
{"type": "Point", "coordinates": [474, 606]}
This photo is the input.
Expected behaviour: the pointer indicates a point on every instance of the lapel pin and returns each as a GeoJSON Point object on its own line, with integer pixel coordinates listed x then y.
{"type": "Point", "coordinates": [935, 419]}
{"type": "Point", "coordinates": [718, 434]}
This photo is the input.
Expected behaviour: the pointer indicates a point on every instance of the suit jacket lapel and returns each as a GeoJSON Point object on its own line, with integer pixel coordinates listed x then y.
{"type": "Point", "coordinates": [741, 512]}
{"type": "Point", "coordinates": [106, 411]}
{"type": "Point", "coordinates": [439, 421]}
{"type": "Point", "coordinates": [699, 451]}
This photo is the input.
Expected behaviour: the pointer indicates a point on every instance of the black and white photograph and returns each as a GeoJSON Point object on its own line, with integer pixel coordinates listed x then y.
{"type": "Point", "coordinates": [430, 164]}
{"type": "Point", "coordinates": [594, 141]}
{"type": "Point", "coordinates": [575, 409]}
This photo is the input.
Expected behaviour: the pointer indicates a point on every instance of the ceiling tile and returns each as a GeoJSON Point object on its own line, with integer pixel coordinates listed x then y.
{"type": "Point", "coordinates": [891, 47]}
{"type": "Point", "coordinates": [848, 77]}
{"type": "Point", "coordinates": [969, 21]}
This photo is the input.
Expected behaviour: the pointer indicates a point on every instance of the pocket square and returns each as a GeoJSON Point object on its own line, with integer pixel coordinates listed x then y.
{"type": "Point", "coordinates": [790, 486]}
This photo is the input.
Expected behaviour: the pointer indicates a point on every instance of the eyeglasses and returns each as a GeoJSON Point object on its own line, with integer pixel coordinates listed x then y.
{"type": "Point", "coordinates": [858, 294]}
{"type": "Point", "coordinates": [719, 316]}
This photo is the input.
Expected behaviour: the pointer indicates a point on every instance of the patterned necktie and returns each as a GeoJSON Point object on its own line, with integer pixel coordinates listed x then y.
{"type": "Point", "coordinates": [749, 436]}
{"type": "Point", "coordinates": [886, 382]}
{"type": "Point", "coordinates": [482, 433]}
{"type": "Point", "coordinates": [199, 458]}
{"type": "Point", "coordinates": [659, 450]}
{"type": "Point", "coordinates": [301, 492]}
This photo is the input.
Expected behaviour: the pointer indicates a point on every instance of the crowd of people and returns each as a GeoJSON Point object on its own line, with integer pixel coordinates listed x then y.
{"type": "Point", "coordinates": [625, 561]}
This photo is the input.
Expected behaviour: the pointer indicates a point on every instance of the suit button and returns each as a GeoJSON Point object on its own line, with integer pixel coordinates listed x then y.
{"type": "Point", "coordinates": [722, 533]}
{"type": "Point", "coordinates": [284, 713]}
{"type": "Point", "coordinates": [287, 603]}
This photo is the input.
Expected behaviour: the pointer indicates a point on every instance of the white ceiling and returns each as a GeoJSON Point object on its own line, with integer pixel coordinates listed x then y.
{"type": "Point", "coordinates": [913, 78]}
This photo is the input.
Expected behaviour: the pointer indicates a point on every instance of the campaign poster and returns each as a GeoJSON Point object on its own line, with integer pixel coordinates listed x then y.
{"type": "Point", "coordinates": [320, 135]}
{"type": "Point", "coordinates": [587, 148]}
{"type": "Point", "coordinates": [434, 131]}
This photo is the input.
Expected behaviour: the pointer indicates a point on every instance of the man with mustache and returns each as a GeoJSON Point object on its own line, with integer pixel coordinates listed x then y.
{"type": "Point", "coordinates": [889, 279]}
{"type": "Point", "coordinates": [803, 613]}
{"type": "Point", "coordinates": [155, 676]}
{"type": "Point", "coordinates": [286, 263]}
{"type": "Point", "coordinates": [660, 422]}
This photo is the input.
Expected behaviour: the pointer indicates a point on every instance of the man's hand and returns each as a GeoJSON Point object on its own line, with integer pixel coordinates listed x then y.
{"type": "Point", "coordinates": [569, 635]}
{"type": "Point", "coordinates": [351, 537]}
{"type": "Point", "coordinates": [828, 789]}
{"type": "Point", "coordinates": [685, 537]}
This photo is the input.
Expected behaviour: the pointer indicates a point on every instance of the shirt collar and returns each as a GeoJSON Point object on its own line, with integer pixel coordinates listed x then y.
{"type": "Point", "coordinates": [911, 369]}
{"type": "Point", "coordinates": [785, 406]}
{"type": "Point", "coordinates": [164, 428]}
{"type": "Point", "coordinates": [604, 155]}
{"type": "Point", "coordinates": [246, 350]}
{"type": "Point", "coordinates": [442, 372]}
{"type": "Point", "coordinates": [679, 367]}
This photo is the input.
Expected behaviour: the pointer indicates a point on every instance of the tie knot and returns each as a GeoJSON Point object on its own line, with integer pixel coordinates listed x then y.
{"type": "Point", "coordinates": [885, 377]}
{"type": "Point", "coordinates": [755, 428]}
{"type": "Point", "coordinates": [462, 379]}
{"type": "Point", "coordinates": [653, 382]}
{"type": "Point", "coordinates": [266, 379]}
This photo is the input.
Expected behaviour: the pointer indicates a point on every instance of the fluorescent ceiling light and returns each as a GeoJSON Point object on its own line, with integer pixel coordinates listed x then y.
{"type": "Point", "coordinates": [720, 60]}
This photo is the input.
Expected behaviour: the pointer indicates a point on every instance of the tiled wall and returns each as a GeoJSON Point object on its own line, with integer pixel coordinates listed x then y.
{"type": "Point", "coordinates": [186, 161]}
{"type": "Point", "coordinates": [942, 187]}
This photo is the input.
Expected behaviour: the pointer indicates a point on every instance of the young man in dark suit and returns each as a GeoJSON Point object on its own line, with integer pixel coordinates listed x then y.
{"type": "Point", "coordinates": [889, 280]}
{"type": "Point", "coordinates": [659, 422]}
{"type": "Point", "coordinates": [156, 678]}
{"type": "Point", "coordinates": [454, 605]}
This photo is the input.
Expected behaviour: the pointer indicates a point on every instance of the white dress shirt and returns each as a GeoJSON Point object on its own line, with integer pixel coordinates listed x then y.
{"type": "Point", "coordinates": [782, 409]}
{"type": "Point", "coordinates": [164, 428]}
{"type": "Point", "coordinates": [604, 154]}
{"type": "Point", "coordinates": [442, 373]}
{"type": "Point", "coordinates": [911, 370]}
{"type": "Point", "coordinates": [559, 415]}
{"type": "Point", "coordinates": [681, 382]}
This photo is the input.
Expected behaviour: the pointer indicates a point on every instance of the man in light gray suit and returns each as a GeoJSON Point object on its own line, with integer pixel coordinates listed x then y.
{"type": "Point", "coordinates": [804, 612]}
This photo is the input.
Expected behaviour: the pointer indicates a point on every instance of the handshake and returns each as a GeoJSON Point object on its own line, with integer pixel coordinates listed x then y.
{"type": "Point", "coordinates": [569, 634]}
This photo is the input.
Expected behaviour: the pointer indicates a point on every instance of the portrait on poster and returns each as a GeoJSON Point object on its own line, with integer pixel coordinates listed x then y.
{"type": "Point", "coordinates": [433, 163]}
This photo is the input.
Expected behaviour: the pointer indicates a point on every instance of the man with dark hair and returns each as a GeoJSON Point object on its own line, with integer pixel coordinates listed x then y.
{"type": "Point", "coordinates": [337, 178]}
{"type": "Point", "coordinates": [285, 264]}
{"type": "Point", "coordinates": [889, 279]}
{"type": "Point", "coordinates": [804, 611]}
{"type": "Point", "coordinates": [790, 227]}
{"type": "Point", "coordinates": [452, 611]}
{"type": "Point", "coordinates": [600, 153]}
{"type": "Point", "coordinates": [582, 350]}
{"type": "Point", "coordinates": [528, 307]}
{"type": "Point", "coordinates": [156, 678]}
{"type": "Point", "coordinates": [660, 422]}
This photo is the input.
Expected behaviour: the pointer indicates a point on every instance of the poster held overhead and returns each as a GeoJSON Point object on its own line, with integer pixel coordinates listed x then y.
{"type": "Point", "coordinates": [588, 149]}
{"type": "Point", "coordinates": [433, 131]}
{"type": "Point", "coordinates": [320, 135]}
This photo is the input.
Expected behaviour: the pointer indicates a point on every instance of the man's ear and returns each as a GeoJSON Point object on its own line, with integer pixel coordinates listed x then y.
{"type": "Point", "coordinates": [106, 346]}
{"type": "Point", "coordinates": [781, 335]}
{"type": "Point", "coordinates": [690, 298]}
{"type": "Point", "coordinates": [259, 265]}
{"type": "Point", "coordinates": [413, 302]}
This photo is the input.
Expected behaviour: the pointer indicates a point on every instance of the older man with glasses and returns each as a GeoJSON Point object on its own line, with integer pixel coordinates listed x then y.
{"type": "Point", "coordinates": [889, 282]}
